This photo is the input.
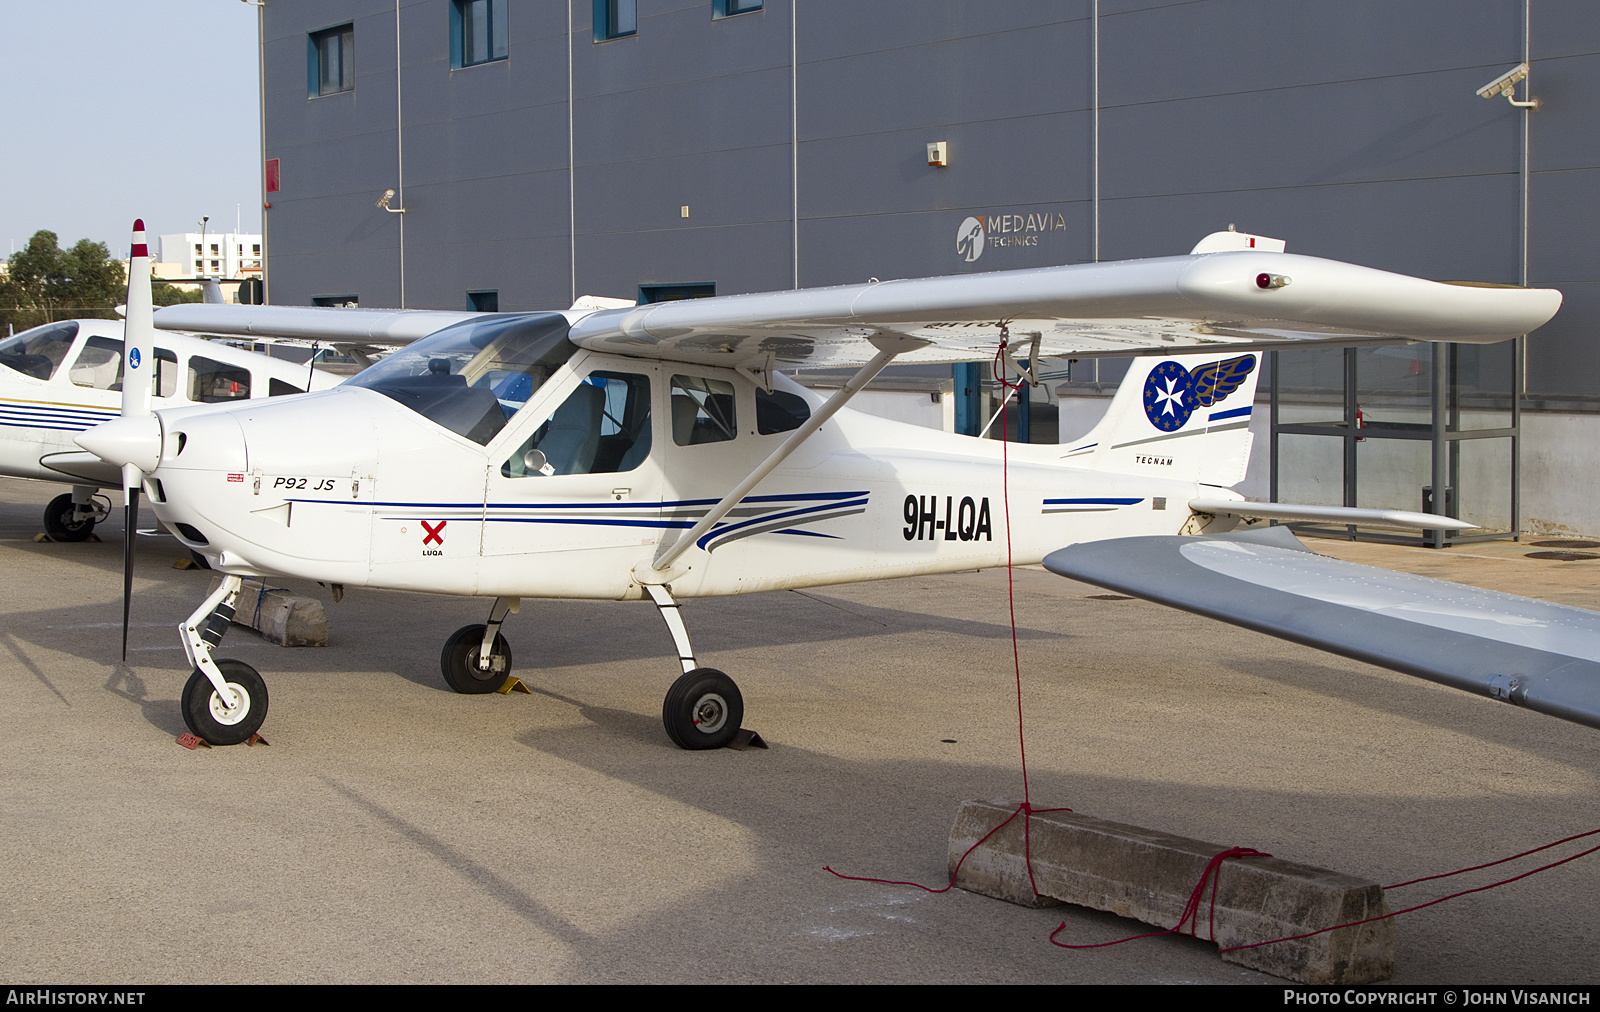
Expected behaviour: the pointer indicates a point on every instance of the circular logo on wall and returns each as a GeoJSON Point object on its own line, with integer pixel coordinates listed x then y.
{"type": "Point", "coordinates": [969, 239]}
{"type": "Point", "coordinates": [1169, 396]}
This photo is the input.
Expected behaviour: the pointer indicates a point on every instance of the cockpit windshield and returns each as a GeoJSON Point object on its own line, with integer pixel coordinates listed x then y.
{"type": "Point", "coordinates": [473, 376]}
{"type": "Point", "coordinates": [39, 352]}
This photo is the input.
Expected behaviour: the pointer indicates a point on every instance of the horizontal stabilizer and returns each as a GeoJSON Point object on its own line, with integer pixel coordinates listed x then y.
{"type": "Point", "coordinates": [1531, 653]}
{"type": "Point", "coordinates": [1330, 514]}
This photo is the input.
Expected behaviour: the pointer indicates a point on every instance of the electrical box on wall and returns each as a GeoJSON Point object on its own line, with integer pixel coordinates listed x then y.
{"type": "Point", "coordinates": [938, 154]}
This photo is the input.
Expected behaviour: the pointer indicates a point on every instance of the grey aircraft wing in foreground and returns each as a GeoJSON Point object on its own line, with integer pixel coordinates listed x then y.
{"type": "Point", "coordinates": [1529, 653]}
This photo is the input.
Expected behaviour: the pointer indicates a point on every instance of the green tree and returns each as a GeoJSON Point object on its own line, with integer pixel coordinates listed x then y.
{"type": "Point", "coordinates": [163, 294]}
{"type": "Point", "coordinates": [46, 283]}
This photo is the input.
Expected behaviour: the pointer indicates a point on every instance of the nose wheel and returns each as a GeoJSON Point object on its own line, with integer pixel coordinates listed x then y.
{"type": "Point", "coordinates": [68, 519]}
{"type": "Point", "coordinates": [703, 709]}
{"type": "Point", "coordinates": [228, 721]}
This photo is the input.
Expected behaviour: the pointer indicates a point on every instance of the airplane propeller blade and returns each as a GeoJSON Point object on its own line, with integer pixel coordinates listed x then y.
{"type": "Point", "coordinates": [138, 345]}
{"type": "Point", "coordinates": [130, 517]}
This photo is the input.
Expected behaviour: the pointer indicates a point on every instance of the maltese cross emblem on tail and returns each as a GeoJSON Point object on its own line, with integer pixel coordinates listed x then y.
{"type": "Point", "coordinates": [1173, 393]}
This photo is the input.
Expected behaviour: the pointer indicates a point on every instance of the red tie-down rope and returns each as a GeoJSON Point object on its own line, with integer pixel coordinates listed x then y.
{"type": "Point", "coordinates": [1026, 809]}
{"type": "Point", "coordinates": [1191, 910]}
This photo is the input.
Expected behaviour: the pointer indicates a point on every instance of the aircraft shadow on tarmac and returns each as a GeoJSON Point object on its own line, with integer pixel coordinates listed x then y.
{"type": "Point", "coordinates": [889, 818]}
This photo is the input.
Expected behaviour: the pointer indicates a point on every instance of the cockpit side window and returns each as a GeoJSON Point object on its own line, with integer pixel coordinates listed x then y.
{"type": "Point", "coordinates": [99, 365]}
{"type": "Point", "coordinates": [602, 427]}
{"type": "Point", "coordinates": [702, 411]}
{"type": "Point", "coordinates": [39, 352]}
{"type": "Point", "coordinates": [472, 377]}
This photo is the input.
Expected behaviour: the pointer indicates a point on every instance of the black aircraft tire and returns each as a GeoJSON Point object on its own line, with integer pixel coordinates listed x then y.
{"type": "Point", "coordinates": [703, 709]}
{"type": "Point", "coordinates": [458, 661]}
{"type": "Point", "coordinates": [210, 720]}
{"type": "Point", "coordinates": [59, 522]}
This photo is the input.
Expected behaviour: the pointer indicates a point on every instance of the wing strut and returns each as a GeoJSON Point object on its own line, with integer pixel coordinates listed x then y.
{"type": "Point", "coordinates": [888, 345]}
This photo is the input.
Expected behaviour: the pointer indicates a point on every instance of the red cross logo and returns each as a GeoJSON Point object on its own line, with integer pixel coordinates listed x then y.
{"type": "Point", "coordinates": [434, 535]}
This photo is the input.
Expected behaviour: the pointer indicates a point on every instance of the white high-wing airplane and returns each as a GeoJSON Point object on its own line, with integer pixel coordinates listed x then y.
{"type": "Point", "coordinates": [657, 452]}
{"type": "Point", "coordinates": [62, 378]}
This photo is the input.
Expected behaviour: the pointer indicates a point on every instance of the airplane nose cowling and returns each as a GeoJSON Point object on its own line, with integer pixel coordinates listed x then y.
{"type": "Point", "coordinates": [124, 441]}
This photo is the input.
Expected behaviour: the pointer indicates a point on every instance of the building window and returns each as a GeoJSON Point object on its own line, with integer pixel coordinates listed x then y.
{"type": "Point", "coordinates": [484, 302]}
{"type": "Point", "coordinates": [331, 61]}
{"type": "Point", "coordinates": [477, 32]}
{"type": "Point", "coordinates": [728, 8]}
{"type": "Point", "coordinates": [615, 19]}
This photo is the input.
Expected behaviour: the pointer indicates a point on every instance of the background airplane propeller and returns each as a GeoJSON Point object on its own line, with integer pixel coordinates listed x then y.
{"type": "Point", "coordinates": [138, 347]}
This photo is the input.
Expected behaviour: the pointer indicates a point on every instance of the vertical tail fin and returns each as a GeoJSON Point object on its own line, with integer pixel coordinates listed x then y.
{"type": "Point", "coordinates": [1181, 417]}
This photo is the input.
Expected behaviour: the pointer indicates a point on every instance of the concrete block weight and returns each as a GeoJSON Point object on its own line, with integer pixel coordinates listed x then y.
{"type": "Point", "coordinates": [279, 616]}
{"type": "Point", "coordinates": [1149, 876]}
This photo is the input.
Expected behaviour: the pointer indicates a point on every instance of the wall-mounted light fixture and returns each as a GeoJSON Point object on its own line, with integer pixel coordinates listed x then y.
{"type": "Point", "coordinates": [938, 154]}
{"type": "Point", "coordinates": [1506, 84]}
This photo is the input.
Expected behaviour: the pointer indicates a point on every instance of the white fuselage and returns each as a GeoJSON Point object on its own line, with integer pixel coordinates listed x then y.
{"type": "Point", "coordinates": [43, 409]}
{"type": "Point", "coordinates": [349, 486]}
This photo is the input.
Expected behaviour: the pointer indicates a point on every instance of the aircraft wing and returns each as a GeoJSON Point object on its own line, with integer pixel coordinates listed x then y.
{"type": "Point", "coordinates": [384, 327]}
{"type": "Point", "coordinates": [1543, 656]}
{"type": "Point", "coordinates": [1235, 300]}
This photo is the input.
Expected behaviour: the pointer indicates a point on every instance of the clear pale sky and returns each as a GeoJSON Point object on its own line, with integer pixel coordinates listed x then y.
{"type": "Point", "coordinates": [120, 109]}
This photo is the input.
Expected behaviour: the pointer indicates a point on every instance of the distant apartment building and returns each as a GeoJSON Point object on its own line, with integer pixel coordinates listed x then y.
{"type": "Point", "coordinates": [214, 254]}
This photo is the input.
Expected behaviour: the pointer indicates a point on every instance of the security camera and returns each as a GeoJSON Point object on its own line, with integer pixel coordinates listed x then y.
{"type": "Point", "coordinates": [383, 201]}
{"type": "Point", "coordinates": [1506, 84]}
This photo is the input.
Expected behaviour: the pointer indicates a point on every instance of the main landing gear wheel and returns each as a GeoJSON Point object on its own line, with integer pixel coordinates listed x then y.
{"type": "Point", "coordinates": [219, 724]}
{"type": "Point", "coordinates": [703, 709]}
{"type": "Point", "coordinates": [459, 661]}
{"type": "Point", "coordinates": [61, 520]}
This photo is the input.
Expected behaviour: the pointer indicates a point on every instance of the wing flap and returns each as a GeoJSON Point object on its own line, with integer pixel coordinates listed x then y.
{"type": "Point", "coordinates": [1530, 653]}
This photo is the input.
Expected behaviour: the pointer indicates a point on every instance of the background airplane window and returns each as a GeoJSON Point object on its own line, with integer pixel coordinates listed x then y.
{"type": "Point", "coordinates": [211, 382]}
{"type": "Point", "coordinates": [602, 427]}
{"type": "Point", "coordinates": [702, 411]}
{"type": "Point", "coordinates": [277, 388]}
{"type": "Point", "coordinates": [99, 365]}
{"type": "Point", "coordinates": [166, 373]}
{"type": "Point", "coordinates": [780, 411]}
{"type": "Point", "coordinates": [39, 352]}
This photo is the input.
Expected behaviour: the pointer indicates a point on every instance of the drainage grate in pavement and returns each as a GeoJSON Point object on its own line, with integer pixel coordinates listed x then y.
{"type": "Point", "coordinates": [1566, 543]}
{"type": "Point", "coordinates": [1563, 556]}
